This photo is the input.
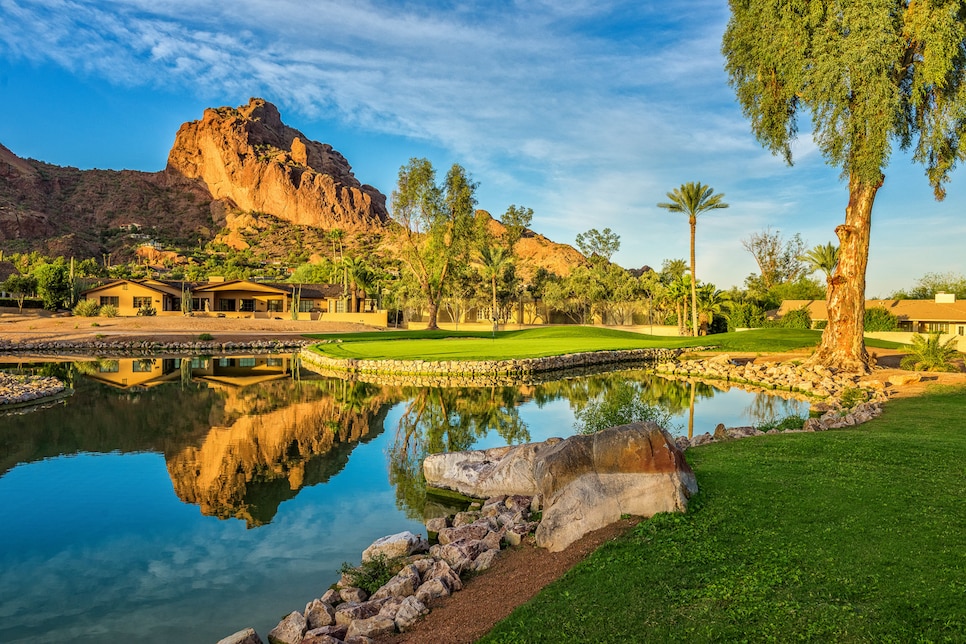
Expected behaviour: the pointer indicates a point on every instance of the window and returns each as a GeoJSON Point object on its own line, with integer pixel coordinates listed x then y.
{"type": "Point", "coordinates": [142, 366]}
{"type": "Point", "coordinates": [196, 304]}
{"type": "Point", "coordinates": [142, 302]}
{"type": "Point", "coordinates": [484, 314]}
{"type": "Point", "coordinates": [275, 306]}
{"type": "Point", "coordinates": [247, 306]}
{"type": "Point", "coordinates": [273, 362]}
{"type": "Point", "coordinates": [108, 366]}
{"type": "Point", "coordinates": [110, 300]}
{"type": "Point", "coordinates": [306, 305]}
{"type": "Point", "coordinates": [937, 327]}
{"type": "Point", "coordinates": [246, 362]}
{"type": "Point", "coordinates": [175, 304]}
{"type": "Point", "coordinates": [340, 306]}
{"type": "Point", "coordinates": [226, 305]}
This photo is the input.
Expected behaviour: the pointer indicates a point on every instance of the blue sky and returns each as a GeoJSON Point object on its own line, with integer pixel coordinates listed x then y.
{"type": "Point", "coordinates": [587, 111]}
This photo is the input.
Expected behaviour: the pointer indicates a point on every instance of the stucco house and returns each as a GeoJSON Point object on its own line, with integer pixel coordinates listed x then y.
{"type": "Point", "coordinates": [942, 314]}
{"type": "Point", "coordinates": [236, 299]}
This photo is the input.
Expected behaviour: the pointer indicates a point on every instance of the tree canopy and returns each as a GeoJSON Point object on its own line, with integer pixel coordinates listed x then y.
{"type": "Point", "coordinates": [870, 75]}
{"type": "Point", "coordinates": [437, 225]}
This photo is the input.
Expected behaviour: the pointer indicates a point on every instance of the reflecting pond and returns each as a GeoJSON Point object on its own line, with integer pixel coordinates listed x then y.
{"type": "Point", "coordinates": [183, 499]}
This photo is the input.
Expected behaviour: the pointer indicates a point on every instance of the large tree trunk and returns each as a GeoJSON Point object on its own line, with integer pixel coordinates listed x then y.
{"type": "Point", "coordinates": [843, 342]}
{"type": "Point", "coordinates": [432, 314]}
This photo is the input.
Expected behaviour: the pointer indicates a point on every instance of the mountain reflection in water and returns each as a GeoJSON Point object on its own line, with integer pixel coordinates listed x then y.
{"type": "Point", "coordinates": [241, 434]}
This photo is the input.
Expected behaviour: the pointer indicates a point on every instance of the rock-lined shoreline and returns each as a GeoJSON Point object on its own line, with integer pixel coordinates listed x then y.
{"type": "Point", "coordinates": [456, 373]}
{"type": "Point", "coordinates": [148, 347]}
{"type": "Point", "coordinates": [468, 541]}
{"type": "Point", "coordinates": [19, 390]}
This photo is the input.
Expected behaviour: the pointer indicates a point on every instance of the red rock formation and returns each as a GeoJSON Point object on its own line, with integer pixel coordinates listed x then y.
{"type": "Point", "coordinates": [248, 157]}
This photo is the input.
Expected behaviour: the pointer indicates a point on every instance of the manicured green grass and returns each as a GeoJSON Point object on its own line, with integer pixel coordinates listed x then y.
{"type": "Point", "coordinates": [854, 535]}
{"type": "Point", "coordinates": [548, 341]}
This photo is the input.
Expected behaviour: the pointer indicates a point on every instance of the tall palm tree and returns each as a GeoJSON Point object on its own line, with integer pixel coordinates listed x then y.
{"type": "Point", "coordinates": [822, 258]}
{"type": "Point", "coordinates": [494, 259]}
{"type": "Point", "coordinates": [693, 199]}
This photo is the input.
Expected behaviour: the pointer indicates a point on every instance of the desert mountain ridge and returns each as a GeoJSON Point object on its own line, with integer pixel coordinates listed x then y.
{"type": "Point", "coordinates": [230, 177]}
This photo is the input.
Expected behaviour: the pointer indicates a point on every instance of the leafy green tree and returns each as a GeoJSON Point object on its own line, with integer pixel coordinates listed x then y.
{"type": "Point", "coordinates": [693, 199]}
{"type": "Point", "coordinates": [779, 259]}
{"type": "Point", "coordinates": [804, 288]}
{"type": "Point", "coordinates": [673, 269]}
{"type": "Point", "coordinates": [931, 283]}
{"type": "Point", "coordinates": [878, 318]}
{"type": "Point", "coordinates": [20, 286]}
{"type": "Point", "coordinates": [797, 319]}
{"type": "Point", "coordinates": [600, 243]}
{"type": "Point", "coordinates": [53, 284]}
{"type": "Point", "coordinates": [437, 226]}
{"type": "Point", "coordinates": [745, 315]}
{"type": "Point", "coordinates": [870, 75]}
{"type": "Point", "coordinates": [516, 220]}
{"type": "Point", "coordinates": [318, 273]}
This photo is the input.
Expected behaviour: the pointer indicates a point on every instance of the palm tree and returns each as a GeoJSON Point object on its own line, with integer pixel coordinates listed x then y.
{"type": "Point", "coordinates": [712, 301]}
{"type": "Point", "coordinates": [693, 199]}
{"type": "Point", "coordinates": [494, 259]}
{"type": "Point", "coordinates": [677, 292]}
{"type": "Point", "coordinates": [822, 258]}
{"type": "Point", "coordinates": [355, 274]}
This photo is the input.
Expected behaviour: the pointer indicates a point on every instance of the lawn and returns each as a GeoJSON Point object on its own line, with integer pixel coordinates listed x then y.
{"type": "Point", "coordinates": [854, 535]}
{"type": "Point", "coordinates": [548, 341]}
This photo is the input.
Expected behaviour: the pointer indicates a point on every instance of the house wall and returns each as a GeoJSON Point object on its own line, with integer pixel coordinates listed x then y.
{"type": "Point", "coordinates": [125, 294]}
{"type": "Point", "coordinates": [905, 337]}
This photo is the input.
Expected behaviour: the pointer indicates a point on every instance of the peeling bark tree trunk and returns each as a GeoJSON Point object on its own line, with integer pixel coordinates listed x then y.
{"type": "Point", "coordinates": [843, 342]}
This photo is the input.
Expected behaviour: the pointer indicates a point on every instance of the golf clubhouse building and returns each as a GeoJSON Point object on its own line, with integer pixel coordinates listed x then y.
{"type": "Point", "coordinates": [236, 299]}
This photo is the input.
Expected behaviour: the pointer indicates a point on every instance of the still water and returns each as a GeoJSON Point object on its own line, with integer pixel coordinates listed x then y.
{"type": "Point", "coordinates": [174, 500]}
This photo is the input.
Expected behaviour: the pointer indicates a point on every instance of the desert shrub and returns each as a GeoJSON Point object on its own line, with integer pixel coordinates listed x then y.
{"type": "Point", "coordinates": [619, 406]}
{"type": "Point", "coordinates": [147, 310]}
{"type": "Point", "coordinates": [87, 308]}
{"type": "Point", "coordinates": [931, 354]}
{"type": "Point", "coordinates": [852, 396]}
{"type": "Point", "coordinates": [204, 337]}
{"type": "Point", "coordinates": [373, 574]}
{"type": "Point", "coordinates": [108, 311]}
{"type": "Point", "coordinates": [878, 318]}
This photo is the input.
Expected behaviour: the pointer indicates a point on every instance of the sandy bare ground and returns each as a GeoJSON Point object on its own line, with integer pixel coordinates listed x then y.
{"type": "Point", "coordinates": [46, 327]}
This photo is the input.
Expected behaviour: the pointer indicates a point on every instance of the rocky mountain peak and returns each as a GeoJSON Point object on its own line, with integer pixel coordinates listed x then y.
{"type": "Point", "coordinates": [249, 158]}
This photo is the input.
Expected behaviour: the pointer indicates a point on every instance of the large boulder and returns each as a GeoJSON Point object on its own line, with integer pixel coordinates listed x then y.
{"type": "Point", "coordinates": [486, 473]}
{"type": "Point", "coordinates": [584, 482]}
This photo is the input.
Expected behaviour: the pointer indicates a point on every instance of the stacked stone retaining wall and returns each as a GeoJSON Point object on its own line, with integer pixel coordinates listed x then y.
{"type": "Point", "coordinates": [478, 372]}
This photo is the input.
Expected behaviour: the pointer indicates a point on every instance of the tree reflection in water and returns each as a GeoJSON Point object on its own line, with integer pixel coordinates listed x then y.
{"type": "Point", "coordinates": [439, 419]}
